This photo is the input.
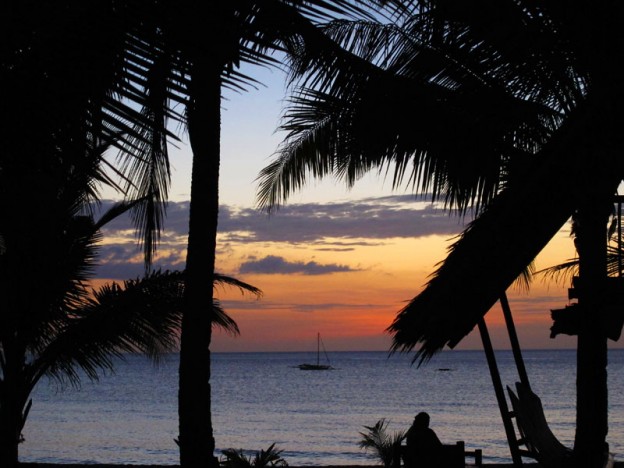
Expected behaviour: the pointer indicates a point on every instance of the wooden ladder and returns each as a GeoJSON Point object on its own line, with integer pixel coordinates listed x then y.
{"type": "Point", "coordinates": [507, 415]}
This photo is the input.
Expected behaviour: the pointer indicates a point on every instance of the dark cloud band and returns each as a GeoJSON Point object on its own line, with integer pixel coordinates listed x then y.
{"type": "Point", "coordinates": [339, 227]}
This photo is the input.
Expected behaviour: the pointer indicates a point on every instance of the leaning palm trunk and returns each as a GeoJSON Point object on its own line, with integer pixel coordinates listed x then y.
{"type": "Point", "coordinates": [526, 214]}
{"type": "Point", "coordinates": [196, 437]}
{"type": "Point", "coordinates": [571, 173]}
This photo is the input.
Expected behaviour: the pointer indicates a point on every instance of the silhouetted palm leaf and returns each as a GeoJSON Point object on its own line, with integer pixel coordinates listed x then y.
{"type": "Point", "coordinates": [377, 439]}
{"type": "Point", "coordinates": [263, 458]}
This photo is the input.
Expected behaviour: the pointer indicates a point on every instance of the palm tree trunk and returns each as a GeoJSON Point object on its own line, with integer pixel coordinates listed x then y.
{"type": "Point", "coordinates": [196, 437]}
{"type": "Point", "coordinates": [11, 408]}
{"type": "Point", "coordinates": [9, 428]}
{"type": "Point", "coordinates": [591, 380]}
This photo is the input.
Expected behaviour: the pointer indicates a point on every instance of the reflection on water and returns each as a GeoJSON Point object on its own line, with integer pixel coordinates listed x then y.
{"type": "Point", "coordinates": [316, 417]}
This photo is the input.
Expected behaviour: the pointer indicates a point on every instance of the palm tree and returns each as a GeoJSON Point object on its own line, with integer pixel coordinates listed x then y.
{"type": "Point", "coordinates": [59, 325]}
{"type": "Point", "coordinates": [63, 325]}
{"type": "Point", "coordinates": [192, 51]}
{"type": "Point", "coordinates": [82, 101]}
{"type": "Point", "coordinates": [141, 315]}
{"type": "Point", "coordinates": [121, 69]}
{"type": "Point", "coordinates": [60, 76]}
{"type": "Point", "coordinates": [499, 107]}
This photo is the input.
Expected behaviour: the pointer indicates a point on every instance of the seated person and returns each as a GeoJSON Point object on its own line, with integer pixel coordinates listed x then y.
{"type": "Point", "coordinates": [423, 448]}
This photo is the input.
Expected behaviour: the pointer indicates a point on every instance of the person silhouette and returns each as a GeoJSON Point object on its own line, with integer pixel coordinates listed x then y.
{"type": "Point", "coordinates": [423, 447]}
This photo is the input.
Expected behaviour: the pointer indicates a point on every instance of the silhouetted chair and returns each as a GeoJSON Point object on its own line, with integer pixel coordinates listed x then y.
{"type": "Point", "coordinates": [453, 456]}
{"type": "Point", "coordinates": [541, 444]}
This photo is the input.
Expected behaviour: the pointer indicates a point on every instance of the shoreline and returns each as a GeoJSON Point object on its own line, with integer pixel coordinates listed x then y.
{"type": "Point", "coordinates": [618, 464]}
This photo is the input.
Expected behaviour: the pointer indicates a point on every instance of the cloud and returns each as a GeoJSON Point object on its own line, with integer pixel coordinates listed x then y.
{"type": "Point", "coordinates": [369, 218]}
{"type": "Point", "coordinates": [374, 218]}
{"type": "Point", "coordinates": [274, 265]}
{"type": "Point", "coordinates": [125, 261]}
{"type": "Point", "coordinates": [338, 227]}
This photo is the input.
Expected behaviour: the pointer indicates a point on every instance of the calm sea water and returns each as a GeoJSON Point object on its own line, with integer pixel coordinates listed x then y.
{"type": "Point", "coordinates": [315, 417]}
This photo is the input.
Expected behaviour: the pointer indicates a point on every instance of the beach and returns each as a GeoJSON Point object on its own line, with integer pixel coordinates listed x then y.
{"type": "Point", "coordinates": [58, 465]}
{"type": "Point", "coordinates": [55, 465]}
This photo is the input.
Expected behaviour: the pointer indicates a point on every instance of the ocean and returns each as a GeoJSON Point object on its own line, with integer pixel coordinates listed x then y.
{"type": "Point", "coordinates": [315, 417]}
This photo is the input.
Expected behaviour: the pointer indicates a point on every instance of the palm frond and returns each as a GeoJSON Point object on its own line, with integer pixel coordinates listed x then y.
{"type": "Point", "coordinates": [234, 458]}
{"type": "Point", "coordinates": [377, 439]}
{"type": "Point", "coordinates": [222, 320]}
{"type": "Point", "coordinates": [524, 280]}
{"type": "Point", "coordinates": [224, 280]}
{"type": "Point", "coordinates": [562, 272]}
{"type": "Point", "coordinates": [269, 457]}
{"type": "Point", "coordinates": [389, 99]}
{"type": "Point", "coordinates": [219, 317]}
{"type": "Point", "coordinates": [142, 315]}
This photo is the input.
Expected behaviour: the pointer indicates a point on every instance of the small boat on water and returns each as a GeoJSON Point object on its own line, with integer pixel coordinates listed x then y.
{"type": "Point", "coordinates": [318, 365]}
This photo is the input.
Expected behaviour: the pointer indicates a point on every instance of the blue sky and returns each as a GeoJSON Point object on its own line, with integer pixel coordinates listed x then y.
{"type": "Point", "coordinates": [249, 138]}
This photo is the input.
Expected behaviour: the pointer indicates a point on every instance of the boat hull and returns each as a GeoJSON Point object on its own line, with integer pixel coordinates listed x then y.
{"type": "Point", "coordinates": [314, 367]}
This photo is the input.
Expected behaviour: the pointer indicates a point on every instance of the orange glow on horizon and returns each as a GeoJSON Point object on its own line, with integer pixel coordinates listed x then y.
{"type": "Point", "coordinates": [353, 306]}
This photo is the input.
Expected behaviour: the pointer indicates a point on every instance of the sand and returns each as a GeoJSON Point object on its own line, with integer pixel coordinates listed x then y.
{"type": "Point", "coordinates": [58, 465]}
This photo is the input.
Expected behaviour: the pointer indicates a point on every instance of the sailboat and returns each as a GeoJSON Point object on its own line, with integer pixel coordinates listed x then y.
{"type": "Point", "coordinates": [318, 365]}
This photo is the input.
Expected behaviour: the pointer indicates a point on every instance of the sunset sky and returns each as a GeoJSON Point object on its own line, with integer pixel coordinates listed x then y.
{"type": "Point", "coordinates": [335, 261]}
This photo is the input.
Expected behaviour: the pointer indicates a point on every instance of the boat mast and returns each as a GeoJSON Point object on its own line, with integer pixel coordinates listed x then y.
{"type": "Point", "coordinates": [318, 348]}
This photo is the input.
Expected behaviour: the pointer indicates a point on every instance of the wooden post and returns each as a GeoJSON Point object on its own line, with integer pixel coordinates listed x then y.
{"type": "Point", "coordinates": [500, 394]}
{"type": "Point", "coordinates": [515, 344]}
{"type": "Point", "coordinates": [619, 200]}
